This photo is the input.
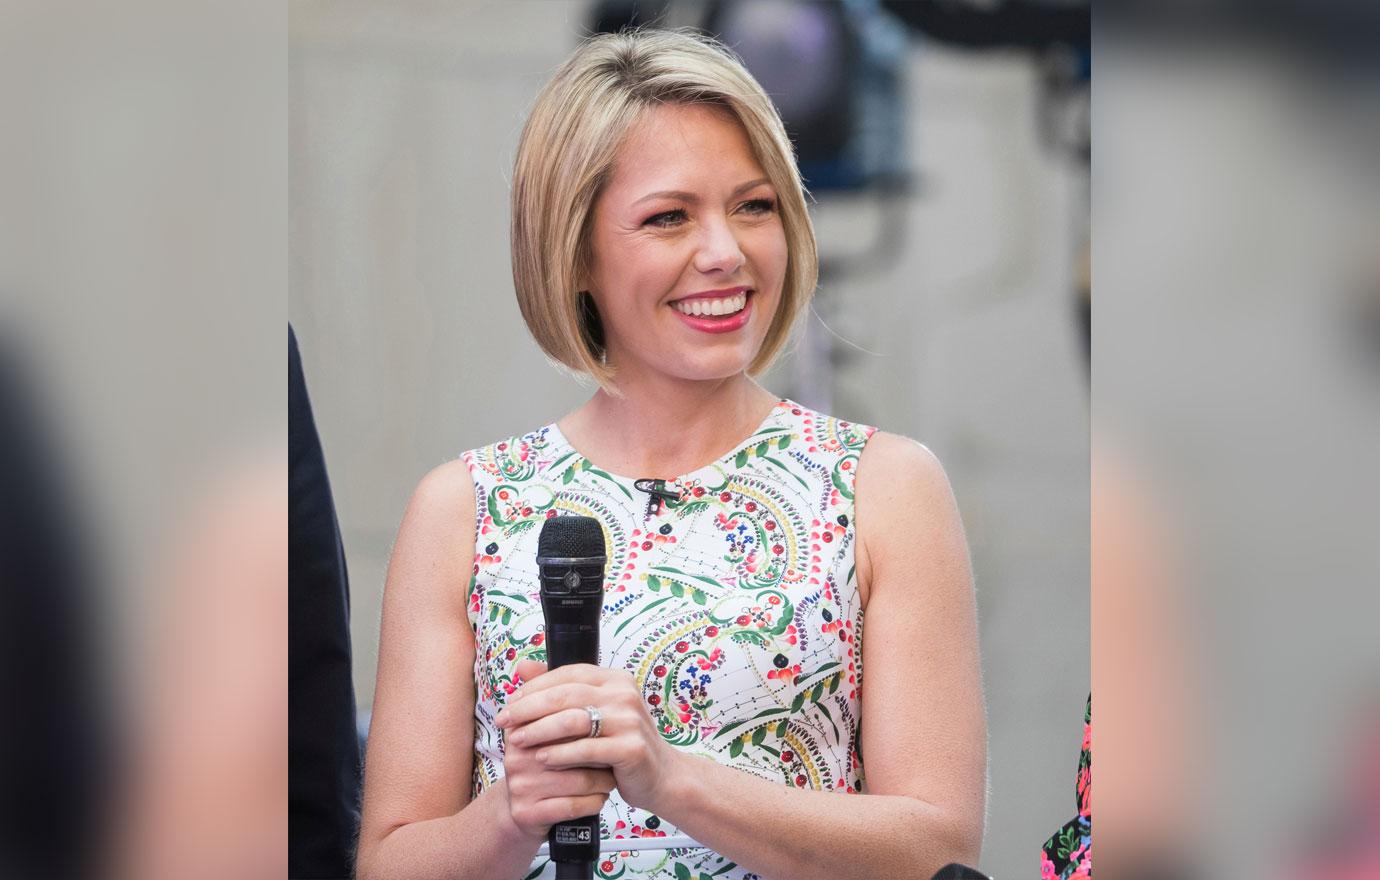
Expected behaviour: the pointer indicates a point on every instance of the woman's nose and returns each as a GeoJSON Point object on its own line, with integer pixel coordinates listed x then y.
{"type": "Point", "coordinates": [719, 250]}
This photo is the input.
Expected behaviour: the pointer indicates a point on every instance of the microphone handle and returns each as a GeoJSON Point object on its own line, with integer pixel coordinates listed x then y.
{"type": "Point", "coordinates": [574, 844]}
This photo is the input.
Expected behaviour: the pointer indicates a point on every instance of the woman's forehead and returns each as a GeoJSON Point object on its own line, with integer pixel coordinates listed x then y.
{"type": "Point", "coordinates": [683, 148]}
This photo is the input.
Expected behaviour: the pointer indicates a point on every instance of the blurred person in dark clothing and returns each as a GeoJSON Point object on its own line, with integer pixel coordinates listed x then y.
{"type": "Point", "coordinates": [323, 750]}
{"type": "Point", "coordinates": [53, 742]}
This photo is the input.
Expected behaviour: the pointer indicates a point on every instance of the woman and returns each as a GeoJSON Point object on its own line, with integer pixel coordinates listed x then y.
{"type": "Point", "coordinates": [661, 245]}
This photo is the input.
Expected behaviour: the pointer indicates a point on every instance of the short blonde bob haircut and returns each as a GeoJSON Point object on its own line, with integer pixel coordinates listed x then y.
{"type": "Point", "coordinates": [566, 156]}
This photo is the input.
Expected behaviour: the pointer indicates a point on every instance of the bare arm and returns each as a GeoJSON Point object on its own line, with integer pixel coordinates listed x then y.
{"type": "Point", "coordinates": [418, 820]}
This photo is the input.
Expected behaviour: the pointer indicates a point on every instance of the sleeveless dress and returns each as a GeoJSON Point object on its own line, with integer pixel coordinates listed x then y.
{"type": "Point", "coordinates": [731, 599]}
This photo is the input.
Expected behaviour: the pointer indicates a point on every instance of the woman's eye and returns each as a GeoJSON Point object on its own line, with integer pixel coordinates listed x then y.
{"type": "Point", "coordinates": [760, 206]}
{"type": "Point", "coordinates": [665, 218]}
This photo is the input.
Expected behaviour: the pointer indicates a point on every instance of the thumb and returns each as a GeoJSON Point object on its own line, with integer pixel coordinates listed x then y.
{"type": "Point", "coordinates": [526, 670]}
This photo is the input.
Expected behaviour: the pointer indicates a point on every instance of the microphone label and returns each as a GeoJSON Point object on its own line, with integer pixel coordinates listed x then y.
{"type": "Point", "coordinates": [573, 834]}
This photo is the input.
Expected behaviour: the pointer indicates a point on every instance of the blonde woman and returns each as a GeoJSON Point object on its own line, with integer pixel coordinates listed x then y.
{"type": "Point", "coordinates": [661, 245]}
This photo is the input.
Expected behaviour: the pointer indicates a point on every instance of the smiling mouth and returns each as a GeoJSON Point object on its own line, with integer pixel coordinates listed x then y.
{"type": "Point", "coordinates": [719, 307]}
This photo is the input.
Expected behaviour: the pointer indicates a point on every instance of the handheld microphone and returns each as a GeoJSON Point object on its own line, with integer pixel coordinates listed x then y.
{"type": "Point", "coordinates": [570, 560]}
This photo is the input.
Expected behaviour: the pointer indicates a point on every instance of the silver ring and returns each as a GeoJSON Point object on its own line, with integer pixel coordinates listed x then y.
{"type": "Point", "coordinates": [595, 720]}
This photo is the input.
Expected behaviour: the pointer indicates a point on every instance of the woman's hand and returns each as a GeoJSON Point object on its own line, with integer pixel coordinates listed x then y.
{"type": "Point", "coordinates": [539, 795]}
{"type": "Point", "coordinates": [551, 721]}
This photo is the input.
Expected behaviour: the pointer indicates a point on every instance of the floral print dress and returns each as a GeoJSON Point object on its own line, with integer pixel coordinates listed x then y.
{"type": "Point", "coordinates": [1068, 853]}
{"type": "Point", "coordinates": [730, 596]}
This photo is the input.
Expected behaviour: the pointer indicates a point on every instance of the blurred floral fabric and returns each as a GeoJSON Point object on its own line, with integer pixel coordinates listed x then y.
{"type": "Point", "coordinates": [1068, 853]}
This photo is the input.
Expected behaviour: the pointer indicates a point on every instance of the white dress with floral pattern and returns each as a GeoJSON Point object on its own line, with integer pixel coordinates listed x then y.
{"type": "Point", "coordinates": [734, 606]}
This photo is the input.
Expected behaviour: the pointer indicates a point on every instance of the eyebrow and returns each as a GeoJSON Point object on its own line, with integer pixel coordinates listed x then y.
{"type": "Point", "coordinates": [691, 197]}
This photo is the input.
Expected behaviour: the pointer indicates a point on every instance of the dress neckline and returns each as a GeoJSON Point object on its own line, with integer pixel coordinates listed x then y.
{"type": "Point", "coordinates": [782, 405]}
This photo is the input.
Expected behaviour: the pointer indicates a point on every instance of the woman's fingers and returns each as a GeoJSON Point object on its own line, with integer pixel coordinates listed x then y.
{"type": "Point", "coordinates": [583, 753]}
{"type": "Point", "coordinates": [556, 727]}
{"type": "Point", "coordinates": [561, 809]}
{"type": "Point", "coordinates": [539, 704]}
{"type": "Point", "coordinates": [527, 669]}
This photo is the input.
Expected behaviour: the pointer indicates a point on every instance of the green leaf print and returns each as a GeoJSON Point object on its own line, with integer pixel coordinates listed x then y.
{"type": "Point", "coordinates": [837, 477]}
{"type": "Point", "coordinates": [823, 707]}
{"type": "Point", "coordinates": [609, 477]}
{"type": "Point", "coordinates": [783, 441]}
{"type": "Point", "coordinates": [741, 458]}
{"type": "Point", "coordinates": [699, 597]}
{"type": "Point", "coordinates": [1069, 839]}
{"type": "Point", "coordinates": [654, 583]}
{"type": "Point", "coordinates": [727, 867]}
{"type": "Point", "coordinates": [562, 460]}
{"type": "Point", "coordinates": [699, 577]}
{"type": "Point", "coordinates": [536, 872]}
{"type": "Point", "coordinates": [750, 636]}
{"type": "Point", "coordinates": [677, 589]}
{"type": "Point", "coordinates": [789, 471]}
{"type": "Point", "coordinates": [735, 748]}
{"type": "Point", "coordinates": [682, 872]}
{"type": "Point", "coordinates": [797, 702]}
{"type": "Point", "coordinates": [782, 726]}
{"type": "Point", "coordinates": [723, 731]}
{"type": "Point", "coordinates": [643, 611]}
{"type": "Point", "coordinates": [494, 510]}
{"type": "Point", "coordinates": [759, 735]}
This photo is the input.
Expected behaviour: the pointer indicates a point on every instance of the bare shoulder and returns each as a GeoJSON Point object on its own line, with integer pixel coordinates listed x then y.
{"type": "Point", "coordinates": [437, 531]}
{"type": "Point", "coordinates": [901, 495]}
{"type": "Point", "coordinates": [445, 490]}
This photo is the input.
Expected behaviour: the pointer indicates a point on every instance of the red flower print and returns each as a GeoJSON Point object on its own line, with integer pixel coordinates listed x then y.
{"type": "Point", "coordinates": [788, 756]}
{"type": "Point", "coordinates": [510, 653]}
{"type": "Point", "coordinates": [800, 780]}
{"type": "Point", "coordinates": [538, 638]}
{"type": "Point", "coordinates": [725, 497]}
{"type": "Point", "coordinates": [682, 647]}
{"type": "Point", "coordinates": [606, 866]}
{"type": "Point", "coordinates": [750, 507]}
{"type": "Point", "coordinates": [659, 672]}
{"type": "Point", "coordinates": [711, 631]}
{"type": "Point", "coordinates": [654, 699]}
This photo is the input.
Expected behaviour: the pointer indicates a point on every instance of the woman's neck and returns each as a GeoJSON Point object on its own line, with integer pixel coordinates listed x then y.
{"type": "Point", "coordinates": [662, 430]}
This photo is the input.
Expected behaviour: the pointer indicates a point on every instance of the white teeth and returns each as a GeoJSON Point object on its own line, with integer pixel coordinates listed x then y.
{"type": "Point", "coordinates": [726, 306]}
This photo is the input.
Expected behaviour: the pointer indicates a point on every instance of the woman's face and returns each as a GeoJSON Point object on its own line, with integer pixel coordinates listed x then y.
{"type": "Point", "coordinates": [687, 223]}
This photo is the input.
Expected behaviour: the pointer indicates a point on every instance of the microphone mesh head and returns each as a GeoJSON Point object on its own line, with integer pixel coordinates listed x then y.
{"type": "Point", "coordinates": [572, 535]}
